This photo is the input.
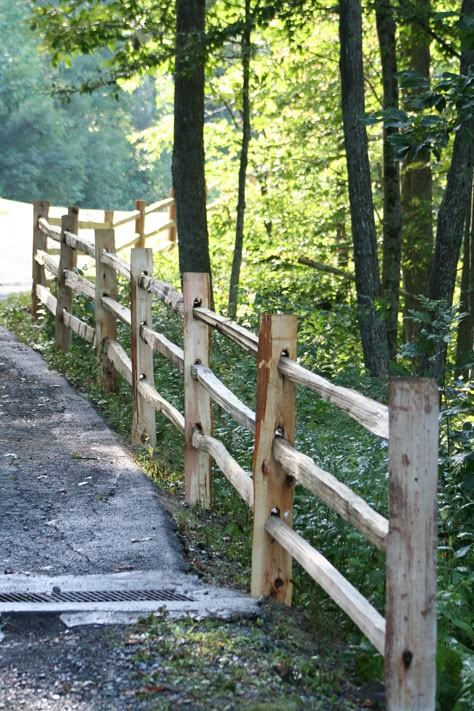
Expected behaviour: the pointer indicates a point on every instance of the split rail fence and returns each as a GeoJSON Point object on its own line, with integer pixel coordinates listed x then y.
{"type": "Point", "coordinates": [407, 634]}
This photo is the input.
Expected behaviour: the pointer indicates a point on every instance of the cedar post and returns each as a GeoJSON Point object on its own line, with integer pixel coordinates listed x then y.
{"type": "Point", "coordinates": [410, 642]}
{"type": "Point", "coordinates": [273, 488]}
{"type": "Point", "coordinates": [172, 218]}
{"type": "Point", "coordinates": [144, 423]}
{"type": "Point", "coordinates": [197, 402]}
{"type": "Point", "coordinates": [105, 322]}
{"type": "Point", "coordinates": [40, 241]}
{"type": "Point", "coordinates": [62, 334]}
{"type": "Point", "coordinates": [140, 222]}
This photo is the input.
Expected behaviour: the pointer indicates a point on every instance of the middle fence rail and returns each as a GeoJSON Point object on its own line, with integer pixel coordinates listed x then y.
{"type": "Point", "coordinates": [407, 634]}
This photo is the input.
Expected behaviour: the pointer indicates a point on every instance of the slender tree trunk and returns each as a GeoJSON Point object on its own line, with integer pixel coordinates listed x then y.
{"type": "Point", "coordinates": [188, 151]}
{"type": "Point", "coordinates": [465, 339]}
{"type": "Point", "coordinates": [417, 183]}
{"type": "Point", "coordinates": [392, 212]}
{"type": "Point", "coordinates": [457, 194]}
{"type": "Point", "coordinates": [372, 328]}
{"type": "Point", "coordinates": [244, 152]}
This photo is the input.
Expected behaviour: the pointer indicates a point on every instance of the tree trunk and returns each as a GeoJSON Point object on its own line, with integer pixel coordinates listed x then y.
{"type": "Point", "coordinates": [457, 194]}
{"type": "Point", "coordinates": [392, 213]}
{"type": "Point", "coordinates": [465, 340]}
{"type": "Point", "coordinates": [244, 152]}
{"type": "Point", "coordinates": [188, 151]}
{"type": "Point", "coordinates": [417, 184]}
{"type": "Point", "coordinates": [372, 328]}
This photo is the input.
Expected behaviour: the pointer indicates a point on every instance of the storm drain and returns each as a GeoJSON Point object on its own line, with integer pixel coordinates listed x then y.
{"type": "Point", "coordinates": [97, 596]}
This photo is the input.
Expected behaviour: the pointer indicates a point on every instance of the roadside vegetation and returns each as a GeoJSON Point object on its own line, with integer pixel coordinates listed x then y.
{"type": "Point", "coordinates": [218, 543]}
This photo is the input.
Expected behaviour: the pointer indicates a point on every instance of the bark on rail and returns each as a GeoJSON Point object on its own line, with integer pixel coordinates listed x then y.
{"type": "Point", "coordinates": [49, 230]}
{"type": "Point", "coordinates": [237, 476]}
{"type": "Point", "coordinates": [367, 412]}
{"type": "Point", "coordinates": [347, 597]}
{"type": "Point", "coordinates": [81, 328]}
{"type": "Point", "coordinates": [341, 498]}
{"type": "Point", "coordinates": [80, 244]}
{"type": "Point", "coordinates": [161, 405]}
{"type": "Point", "coordinates": [161, 344]}
{"type": "Point", "coordinates": [80, 285]}
{"type": "Point", "coordinates": [165, 292]}
{"type": "Point", "coordinates": [224, 397]}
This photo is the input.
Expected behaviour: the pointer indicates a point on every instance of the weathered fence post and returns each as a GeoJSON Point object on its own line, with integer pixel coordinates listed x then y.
{"type": "Point", "coordinates": [62, 334]}
{"type": "Point", "coordinates": [410, 643]}
{"type": "Point", "coordinates": [144, 422]}
{"type": "Point", "coordinates": [197, 402]}
{"type": "Point", "coordinates": [273, 488]}
{"type": "Point", "coordinates": [105, 322]}
{"type": "Point", "coordinates": [140, 222]}
{"type": "Point", "coordinates": [172, 219]}
{"type": "Point", "coordinates": [40, 241]}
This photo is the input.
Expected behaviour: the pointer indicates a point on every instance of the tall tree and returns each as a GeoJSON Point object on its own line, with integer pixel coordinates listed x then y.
{"type": "Point", "coordinates": [371, 325]}
{"type": "Point", "coordinates": [189, 181]}
{"type": "Point", "coordinates": [392, 213]}
{"type": "Point", "coordinates": [417, 181]}
{"type": "Point", "coordinates": [453, 209]}
{"type": "Point", "coordinates": [245, 48]}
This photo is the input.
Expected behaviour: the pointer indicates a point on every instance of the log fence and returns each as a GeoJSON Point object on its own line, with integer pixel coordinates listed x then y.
{"type": "Point", "coordinates": [407, 634]}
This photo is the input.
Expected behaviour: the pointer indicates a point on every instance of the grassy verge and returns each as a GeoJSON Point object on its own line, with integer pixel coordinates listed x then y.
{"type": "Point", "coordinates": [298, 669]}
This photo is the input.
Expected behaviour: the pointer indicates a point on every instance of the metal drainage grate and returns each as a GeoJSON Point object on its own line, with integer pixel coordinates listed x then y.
{"type": "Point", "coordinates": [96, 596]}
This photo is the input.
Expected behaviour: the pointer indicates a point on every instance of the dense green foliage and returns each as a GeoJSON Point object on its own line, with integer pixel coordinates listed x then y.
{"type": "Point", "coordinates": [83, 150]}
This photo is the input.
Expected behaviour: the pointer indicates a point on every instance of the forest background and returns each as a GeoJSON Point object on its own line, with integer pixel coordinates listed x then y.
{"type": "Point", "coordinates": [341, 140]}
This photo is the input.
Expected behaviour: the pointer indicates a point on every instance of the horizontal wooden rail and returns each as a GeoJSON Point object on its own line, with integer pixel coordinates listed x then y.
{"type": "Point", "coordinates": [244, 338]}
{"type": "Point", "coordinates": [121, 360]}
{"type": "Point", "coordinates": [338, 496]}
{"type": "Point", "coordinates": [149, 393]}
{"type": "Point", "coordinates": [164, 291]}
{"type": "Point", "coordinates": [130, 244]}
{"type": "Point", "coordinates": [233, 472]}
{"type": "Point", "coordinates": [129, 218]}
{"type": "Point", "coordinates": [80, 243]}
{"type": "Point", "coordinates": [121, 312]}
{"type": "Point", "coordinates": [161, 228]}
{"type": "Point", "coordinates": [367, 412]}
{"type": "Point", "coordinates": [46, 298]}
{"type": "Point", "coordinates": [224, 397]}
{"type": "Point", "coordinates": [47, 227]}
{"type": "Point", "coordinates": [80, 327]}
{"type": "Point", "coordinates": [51, 263]}
{"type": "Point", "coordinates": [347, 597]}
{"type": "Point", "coordinates": [160, 344]}
{"type": "Point", "coordinates": [79, 284]}
{"type": "Point", "coordinates": [120, 265]}
{"type": "Point", "coordinates": [86, 224]}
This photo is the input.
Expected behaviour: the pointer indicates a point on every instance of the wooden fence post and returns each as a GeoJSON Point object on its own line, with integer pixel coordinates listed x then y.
{"type": "Point", "coordinates": [410, 642]}
{"type": "Point", "coordinates": [197, 402]}
{"type": "Point", "coordinates": [105, 322]}
{"type": "Point", "coordinates": [273, 488]}
{"type": "Point", "coordinates": [67, 260]}
{"type": "Point", "coordinates": [144, 422]}
{"type": "Point", "coordinates": [40, 241]}
{"type": "Point", "coordinates": [140, 222]}
{"type": "Point", "coordinates": [172, 218]}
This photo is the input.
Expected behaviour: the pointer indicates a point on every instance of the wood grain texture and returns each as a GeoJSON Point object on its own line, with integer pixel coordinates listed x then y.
{"type": "Point", "coordinates": [161, 405]}
{"type": "Point", "coordinates": [165, 292]}
{"type": "Point", "coordinates": [273, 489]}
{"type": "Point", "coordinates": [121, 312]}
{"type": "Point", "coordinates": [81, 328]}
{"type": "Point", "coordinates": [338, 496]}
{"type": "Point", "coordinates": [160, 344]}
{"type": "Point", "coordinates": [118, 264]}
{"type": "Point", "coordinates": [367, 412]}
{"type": "Point", "coordinates": [410, 652]}
{"type": "Point", "coordinates": [233, 472]}
{"type": "Point", "coordinates": [347, 597]}
{"type": "Point", "coordinates": [80, 244]}
{"type": "Point", "coordinates": [197, 403]}
{"type": "Point", "coordinates": [120, 359]}
{"type": "Point", "coordinates": [224, 397]}
{"type": "Point", "coordinates": [46, 297]}
{"type": "Point", "coordinates": [63, 334]}
{"type": "Point", "coordinates": [105, 321]}
{"type": "Point", "coordinates": [80, 284]}
{"type": "Point", "coordinates": [40, 243]}
{"type": "Point", "coordinates": [143, 421]}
